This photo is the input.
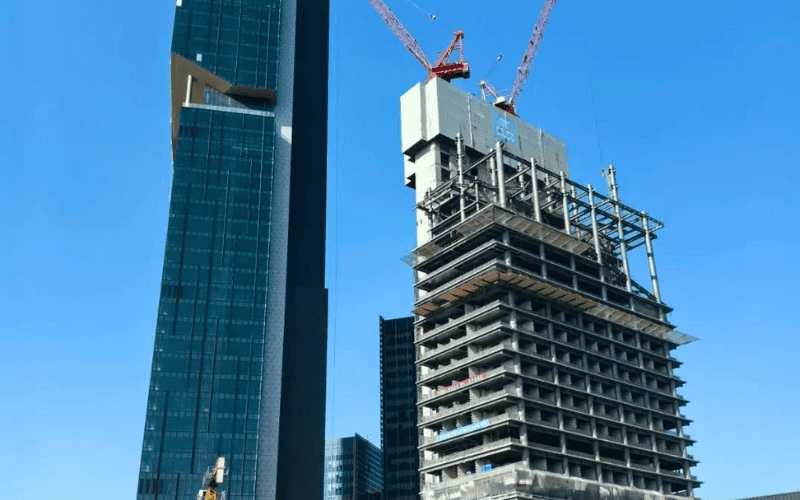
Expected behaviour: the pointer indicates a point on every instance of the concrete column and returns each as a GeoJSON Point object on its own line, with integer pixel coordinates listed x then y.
{"type": "Point", "coordinates": [623, 247]}
{"type": "Point", "coordinates": [473, 393]}
{"type": "Point", "coordinates": [461, 187]}
{"type": "Point", "coordinates": [507, 253]}
{"type": "Point", "coordinates": [574, 272]}
{"type": "Point", "coordinates": [690, 487]}
{"type": "Point", "coordinates": [501, 174]}
{"type": "Point", "coordinates": [493, 176]}
{"type": "Point", "coordinates": [574, 193]}
{"type": "Point", "coordinates": [565, 203]}
{"type": "Point", "coordinates": [659, 483]}
{"type": "Point", "coordinates": [613, 353]}
{"type": "Point", "coordinates": [651, 260]}
{"type": "Point", "coordinates": [537, 206]}
{"type": "Point", "coordinates": [595, 231]}
{"type": "Point", "coordinates": [649, 412]}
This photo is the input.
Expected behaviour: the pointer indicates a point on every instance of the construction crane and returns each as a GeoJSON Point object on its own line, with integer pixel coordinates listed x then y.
{"type": "Point", "coordinates": [212, 480]}
{"type": "Point", "coordinates": [509, 103]}
{"type": "Point", "coordinates": [443, 67]}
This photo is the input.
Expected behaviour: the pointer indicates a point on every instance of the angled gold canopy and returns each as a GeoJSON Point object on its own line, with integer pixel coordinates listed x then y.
{"type": "Point", "coordinates": [182, 68]}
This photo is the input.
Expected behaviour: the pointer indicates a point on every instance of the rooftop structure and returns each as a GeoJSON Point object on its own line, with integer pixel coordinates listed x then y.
{"type": "Point", "coordinates": [543, 367]}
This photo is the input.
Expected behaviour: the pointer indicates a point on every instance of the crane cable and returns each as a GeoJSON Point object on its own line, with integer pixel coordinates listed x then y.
{"type": "Point", "coordinates": [587, 60]}
{"type": "Point", "coordinates": [493, 66]}
{"type": "Point", "coordinates": [429, 14]}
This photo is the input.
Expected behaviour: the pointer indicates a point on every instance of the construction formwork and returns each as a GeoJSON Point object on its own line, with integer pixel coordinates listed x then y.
{"type": "Point", "coordinates": [543, 368]}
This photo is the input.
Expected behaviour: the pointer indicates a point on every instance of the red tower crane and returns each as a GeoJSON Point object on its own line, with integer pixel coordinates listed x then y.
{"type": "Point", "coordinates": [524, 69]}
{"type": "Point", "coordinates": [443, 67]}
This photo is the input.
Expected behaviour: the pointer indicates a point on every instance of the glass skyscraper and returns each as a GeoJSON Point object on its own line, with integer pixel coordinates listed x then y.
{"type": "Point", "coordinates": [240, 347]}
{"type": "Point", "coordinates": [352, 469]}
{"type": "Point", "coordinates": [399, 409]}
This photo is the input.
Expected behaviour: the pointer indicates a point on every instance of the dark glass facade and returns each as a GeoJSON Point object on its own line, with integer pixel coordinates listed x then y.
{"type": "Point", "coordinates": [399, 410]}
{"type": "Point", "coordinates": [238, 40]}
{"type": "Point", "coordinates": [240, 347]}
{"type": "Point", "coordinates": [206, 378]}
{"type": "Point", "coordinates": [353, 469]}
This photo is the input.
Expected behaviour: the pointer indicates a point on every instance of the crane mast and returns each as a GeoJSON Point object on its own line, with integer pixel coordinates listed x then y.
{"type": "Point", "coordinates": [509, 103]}
{"type": "Point", "coordinates": [443, 67]}
{"type": "Point", "coordinates": [530, 53]}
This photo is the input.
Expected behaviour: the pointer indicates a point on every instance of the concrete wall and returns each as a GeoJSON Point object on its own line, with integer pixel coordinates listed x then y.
{"type": "Point", "coordinates": [438, 108]}
{"type": "Point", "coordinates": [535, 484]}
{"type": "Point", "coordinates": [434, 112]}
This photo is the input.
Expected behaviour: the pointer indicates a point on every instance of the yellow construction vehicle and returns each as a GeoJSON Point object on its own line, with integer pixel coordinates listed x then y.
{"type": "Point", "coordinates": [212, 481]}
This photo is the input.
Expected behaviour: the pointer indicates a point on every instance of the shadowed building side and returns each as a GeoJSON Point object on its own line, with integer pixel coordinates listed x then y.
{"type": "Point", "coordinates": [353, 469]}
{"type": "Point", "coordinates": [399, 410]}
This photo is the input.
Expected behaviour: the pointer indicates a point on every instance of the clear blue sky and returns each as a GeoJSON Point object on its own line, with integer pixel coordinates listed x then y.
{"type": "Point", "coordinates": [696, 103]}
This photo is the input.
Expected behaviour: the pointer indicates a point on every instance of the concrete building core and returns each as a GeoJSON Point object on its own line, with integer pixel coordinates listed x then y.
{"type": "Point", "coordinates": [543, 368]}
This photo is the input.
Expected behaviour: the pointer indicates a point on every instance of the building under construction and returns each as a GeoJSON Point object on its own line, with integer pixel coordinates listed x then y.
{"type": "Point", "coordinates": [543, 368]}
